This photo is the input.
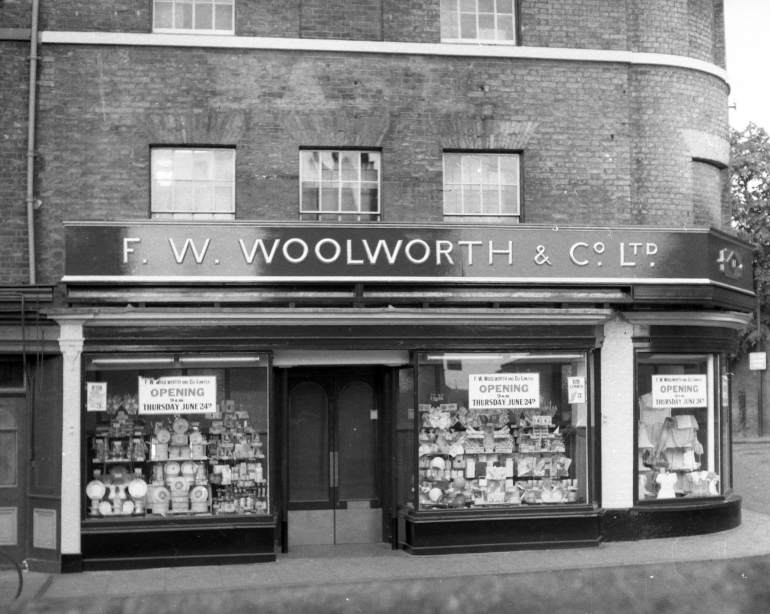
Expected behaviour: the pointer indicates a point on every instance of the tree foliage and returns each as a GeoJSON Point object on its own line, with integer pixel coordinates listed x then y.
{"type": "Point", "coordinates": [750, 189]}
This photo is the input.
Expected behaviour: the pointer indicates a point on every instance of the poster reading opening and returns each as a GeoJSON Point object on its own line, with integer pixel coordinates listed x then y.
{"type": "Point", "coordinates": [178, 395]}
{"type": "Point", "coordinates": [679, 391]}
{"type": "Point", "coordinates": [504, 390]}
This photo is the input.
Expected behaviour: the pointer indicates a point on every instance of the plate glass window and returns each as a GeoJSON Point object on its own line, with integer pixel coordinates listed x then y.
{"type": "Point", "coordinates": [485, 21]}
{"type": "Point", "coordinates": [194, 16]}
{"type": "Point", "coordinates": [193, 184]}
{"type": "Point", "coordinates": [340, 185]}
{"type": "Point", "coordinates": [502, 430]}
{"type": "Point", "coordinates": [482, 188]}
{"type": "Point", "coordinates": [678, 429]}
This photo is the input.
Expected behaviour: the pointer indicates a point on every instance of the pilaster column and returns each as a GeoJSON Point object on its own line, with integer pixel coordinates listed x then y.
{"type": "Point", "coordinates": [71, 345]}
{"type": "Point", "coordinates": [617, 418]}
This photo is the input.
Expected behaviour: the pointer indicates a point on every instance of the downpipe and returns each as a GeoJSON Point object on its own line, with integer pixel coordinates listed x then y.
{"type": "Point", "coordinates": [33, 59]}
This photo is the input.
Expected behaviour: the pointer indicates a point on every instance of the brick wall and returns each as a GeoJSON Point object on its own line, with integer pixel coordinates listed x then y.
{"type": "Point", "coordinates": [701, 30]}
{"type": "Point", "coordinates": [15, 13]}
{"type": "Point", "coordinates": [588, 24]}
{"type": "Point", "coordinates": [707, 194]}
{"type": "Point", "coordinates": [341, 19]}
{"type": "Point", "coordinates": [14, 94]}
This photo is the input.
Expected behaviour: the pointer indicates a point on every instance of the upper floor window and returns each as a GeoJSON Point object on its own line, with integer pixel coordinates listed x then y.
{"type": "Point", "coordinates": [193, 184]}
{"type": "Point", "coordinates": [483, 21]}
{"type": "Point", "coordinates": [340, 186]}
{"type": "Point", "coordinates": [201, 16]}
{"type": "Point", "coordinates": [481, 187]}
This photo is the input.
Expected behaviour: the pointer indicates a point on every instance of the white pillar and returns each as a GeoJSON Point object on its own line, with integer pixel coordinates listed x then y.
{"type": "Point", "coordinates": [71, 345]}
{"type": "Point", "coordinates": [617, 419]}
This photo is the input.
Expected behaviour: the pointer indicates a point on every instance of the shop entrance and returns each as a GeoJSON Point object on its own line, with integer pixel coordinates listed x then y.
{"type": "Point", "coordinates": [13, 476]}
{"type": "Point", "coordinates": [334, 457]}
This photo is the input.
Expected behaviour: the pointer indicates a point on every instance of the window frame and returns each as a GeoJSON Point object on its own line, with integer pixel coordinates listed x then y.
{"type": "Point", "coordinates": [489, 218]}
{"type": "Point", "coordinates": [516, 16]}
{"type": "Point", "coordinates": [181, 214]}
{"type": "Point", "coordinates": [342, 216]}
{"type": "Point", "coordinates": [194, 30]}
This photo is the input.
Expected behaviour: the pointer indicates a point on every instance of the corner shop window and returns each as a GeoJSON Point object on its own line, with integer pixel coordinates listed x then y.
{"type": "Point", "coordinates": [482, 21]}
{"type": "Point", "coordinates": [481, 188]}
{"type": "Point", "coordinates": [678, 427]}
{"type": "Point", "coordinates": [502, 430]}
{"type": "Point", "coordinates": [194, 16]}
{"type": "Point", "coordinates": [176, 436]}
{"type": "Point", "coordinates": [193, 184]}
{"type": "Point", "coordinates": [340, 186]}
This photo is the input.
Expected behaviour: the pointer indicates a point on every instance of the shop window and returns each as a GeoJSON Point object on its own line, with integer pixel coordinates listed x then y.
{"type": "Point", "coordinates": [502, 430]}
{"type": "Point", "coordinates": [176, 437]}
{"type": "Point", "coordinates": [340, 185]}
{"type": "Point", "coordinates": [482, 188]}
{"type": "Point", "coordinates": [193, 184]}
{"type": "Point", "coordinates": [678, 430]}
{"type": "Point", "coordinates": [8, 449]}
{"type": "Point", "coordinates": [194, 16]}
{"type": "Point", "coordinates": [478, 21]}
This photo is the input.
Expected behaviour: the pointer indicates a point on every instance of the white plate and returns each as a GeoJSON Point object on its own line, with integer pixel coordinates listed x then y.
{"type": "Point", "coordinates": [128, 507]}
{"type": "Point", "coordinates": [105, 508]}
{"type": "Point", "coordinates": [181, 425]}
{"type": "Point", "coordinates": [95, 489]}
{"type": "Point", "coordinates": [161, 495]}
{"type": "Point", "coordinates": [199, 493]}
{"type": "Point", "coordinates": [163, 436]}
{"type": "Point", "coordinates": [172, 468]}
{"type": "Point", "coordinates": [137, 488]}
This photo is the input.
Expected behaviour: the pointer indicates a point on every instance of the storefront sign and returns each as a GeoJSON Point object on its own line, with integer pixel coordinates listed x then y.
{"type": "Point", "coordinates": [504, 390]}
{"type": "Point", "coordinates": [247, 253]}
{"type": "Point", "coordinates": [758, 361]}
{"type": "Point", "coordinates": [576, 387]}
{"type": "Point", "coordinates": [178, 395]}
{"type": "Point", "coordinates": [679, 391]}
{"type": "Point", "coordinates": [96, 396]}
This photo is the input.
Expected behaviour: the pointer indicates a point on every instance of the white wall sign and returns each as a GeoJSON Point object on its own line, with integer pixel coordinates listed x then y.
{"type": "Point", "coordinates": [679, 391]}
{"type": "Point", "coordinates": [96, 396]}
{"type": "Point", "coordinates": [576, 387]}
{"type": "Point", "coordinates": [758, 361]}
{"type": "Point", "coordinates": [178, 395]}
{"type": "Point", "coordinates": [504, 390]}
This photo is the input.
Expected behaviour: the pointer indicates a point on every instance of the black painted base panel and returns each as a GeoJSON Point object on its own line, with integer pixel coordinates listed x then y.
{"type": "Point", "coordinates": [141, 546]}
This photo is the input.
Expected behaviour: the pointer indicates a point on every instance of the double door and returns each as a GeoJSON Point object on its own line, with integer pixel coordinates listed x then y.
{"type": "Point", "coordinates": [334, 458]}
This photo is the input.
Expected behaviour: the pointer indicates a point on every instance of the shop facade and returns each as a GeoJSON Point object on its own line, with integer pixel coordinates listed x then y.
{"type": "Point", "coordinates": [434, 388]}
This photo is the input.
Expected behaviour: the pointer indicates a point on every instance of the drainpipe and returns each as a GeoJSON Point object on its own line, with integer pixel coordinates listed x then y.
{"type": "Point", "coordinates": [33, 58]}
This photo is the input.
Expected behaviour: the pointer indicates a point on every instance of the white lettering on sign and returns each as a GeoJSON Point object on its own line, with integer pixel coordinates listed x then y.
{"type": "Point", "coordinates": [249, 256]}
{"type": "Point", "coordinates": [504, 390]}
{"type": "Point", "coordinates": [189, 245]}
{"type": "Point", "coordinates": [128, 250]}
{"type": "Point", "coordinates": [178, 395]}
{"type": "Point", "coordinates": [679, 391]}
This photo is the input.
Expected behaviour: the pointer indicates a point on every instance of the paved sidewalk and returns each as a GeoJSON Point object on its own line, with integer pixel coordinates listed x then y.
{"type": "Point", "coordinates": [356, 564]}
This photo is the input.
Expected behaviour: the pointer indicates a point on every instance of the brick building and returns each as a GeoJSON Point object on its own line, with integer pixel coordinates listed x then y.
{"type": "Point", "coordinates": [451, 275]}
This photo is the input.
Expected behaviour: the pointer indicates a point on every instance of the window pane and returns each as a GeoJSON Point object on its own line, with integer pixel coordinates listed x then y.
{"type": "Point", "coordinates": [468, 6]}
{"type": "Point", "coordinates": [452, 169]}
{"type": "Point", "coordinates": [510, 200]}
{"type": "Point", "coordinates": [452, 200]}
{"type": "Point", "coordinates": [505, 28]}
{"type": "Point", "coordinates": [490, 201]}
{"type": "Point", "coordinates": [471, 169]}
{"type": "Point", "coordinates": [369, 199]}
{"type": "Point", "coordinates": [204, 197]}
{"type": "Point", "coordinates": [349, 197]}
{"type": "Point", "coordinates": [164, 15]}
{"type": "Point", "coordinates": [183, 165]}
{"type": "Point", "coordinates": [183, 17]}
{"type": "Point", "coordinates": [449, 27]}
{"type": "Point", "coordinates": [489, 174]}
{"type": "Point", "coordinates": [370, 166]}
{"type": "Point", "coordinates": [223, 165]}
{"type": "Point", "coordinates": [472, 199]}
{"type": "Point", "coordinates": [509, 169]}
{"type": "Point", "coordinates": [468, 25]}
{"type": "Point", "coordinates": [310, 165]}
{"type": "Point", "coordinates": [486, 6]}
{"type": "Point", "coordinates": [448, 5]}
{"type": "Point", "coordinates": [223, 17]}
{"type": "Point", "coordinates": [487, 27]}
{"type": "Point", "coordinates": [223, 198]}
{"type": "Point", "coordinates": [204, 16]}
{"type": "Point", "coordinates": [330, 197]}
{"type": "Point", "coordinates": [349, 161]}
{"type": "Point", "coordinates": [330, 165]}
{"type": "Point", "coordinates": [183, 196]}
{"type": "Point", "coordinates": [505, 7]}
{"type": "Point", "coordinates": [162, 164]}
{"type": "Point", "coordinates": [161, 195]}
{"type": "Point", "coordinates": [309, 196]}
{"type": "Point", "coordinates": [202, 165]}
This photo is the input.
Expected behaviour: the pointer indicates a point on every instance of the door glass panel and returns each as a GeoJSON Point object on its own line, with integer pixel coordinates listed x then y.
{"type": "Point", "coordinates": [357, 449]}
{"type": "Point", "coordinates": [405, 436]}
{"type": "Point", "coordinates": [7, 458]}
{"type": "Point", "coordinates": [308, 443]}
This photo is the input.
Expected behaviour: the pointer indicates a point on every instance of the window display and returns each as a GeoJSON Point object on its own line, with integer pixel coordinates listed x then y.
{"type": "Point", "coordinates": [180, 436]}
{"type": "Point", "coordinates": [502, 430]}
{"type": "Point", "coordinates": [678, 425]}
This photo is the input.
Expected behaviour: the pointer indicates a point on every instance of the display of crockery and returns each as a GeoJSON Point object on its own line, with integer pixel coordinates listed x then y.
{"type": "Point", "coordinates": [172, 468]}
{"type": "Point", "coordinates": [199, 494]}
{"type": "Point", "coordinates": [181, 425]}
{"type": "Point", "coordinates": [128, 507]}
{"type": "Point", "coordinates": [196, 437]}
{"type": "Point", "coordinates": [178, 486]}
{"type": "Point", "coordinates": [163, 436]}
{"type": "Point", "coordinates": [105, 508]}
{"type": "Point", "coordinates": [137, 488]}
